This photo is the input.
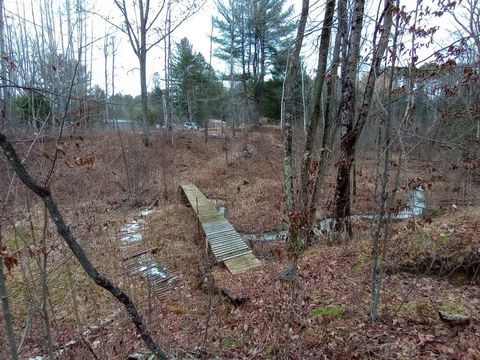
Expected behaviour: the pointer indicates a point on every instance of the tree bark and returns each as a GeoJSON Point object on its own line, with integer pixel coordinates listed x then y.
{"type": "Point", "coordinates": [331, 111]}
{"type": "Point", "coordinates": [3, 72]}
{"type": "Point", "coordinates": [142, 58]}
{"type": "Point", "coordinates": [351, 130]}
{"type": "Point", "coordinates": [316, 114]}
{"type": "Point", "coordinates": [375, 276]}
{"type": "Point", "coordinates": [287, 106]}
{"type": "Point", "coordinates": [64, 230]}
{"type": "Point", "coordinates": [347, 116]}
{"type": "Point", "coordinates": [7, 315]}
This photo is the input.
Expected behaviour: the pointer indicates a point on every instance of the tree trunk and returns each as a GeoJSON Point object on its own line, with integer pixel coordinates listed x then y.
{"type": "Point", "coordinates": [7, 315]}
{"type": "Point", "coordinates": [331, 110]}
{"type": "Point", "coordinates": [3, 72]}
{"type": "Point", "coordinates": [44, 286]}
{"type": "Point", "coordinates": [317, 111]}
{"type": "Point", "coordinates": [143, 85]}
{"type": "Point", "coordinates": [351, 130]}
{"type": "Point", "coordinates": [347, 116]}
{"type": "Point", "coordinates": [64, 230]}
{"type": "Point", "coordinates": [287, 107]}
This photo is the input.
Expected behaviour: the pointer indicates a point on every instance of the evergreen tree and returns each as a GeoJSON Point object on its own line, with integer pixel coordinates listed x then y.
{"type": "Point", "coordinates": [251, 35]}
{"type": "Point", "coordinates": [196, 91]}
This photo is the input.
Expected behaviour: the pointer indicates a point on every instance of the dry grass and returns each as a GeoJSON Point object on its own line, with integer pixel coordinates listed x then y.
{"type": "Point", "coordinates": [98, 198]}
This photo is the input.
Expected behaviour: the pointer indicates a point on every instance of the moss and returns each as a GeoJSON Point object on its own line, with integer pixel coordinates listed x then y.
{"type": "Point", "coordinates": [434, 212]}
{"type": "Point", "coordinates": [271, 350]}
{"type": "Point", "coordinates": [446, 239]}
{"type": "Point", "coordinates": [15, 241]}
{"type": "Point", "coordinates": [229, 342]}
{"type": "Point", "coordinates": [420, 307]}
{"type": "Point", "coordinates": [267, 289]}
{"type": "Point", "coordinates": [176, 309]}
{"type": "Point", "coordinates": [358, 269]}
{"type": "Point", "coordinates": [317, 294]}
{"type": "Point", "coordinates": [328, 311]}
{"type": "Point", "coordinates": [456, 307]}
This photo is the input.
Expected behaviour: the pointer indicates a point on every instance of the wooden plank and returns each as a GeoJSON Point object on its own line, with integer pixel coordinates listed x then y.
{"type": "Point", "coordinates": [225, 243]}
{"type": "Point", "coordinates": [241, 263]}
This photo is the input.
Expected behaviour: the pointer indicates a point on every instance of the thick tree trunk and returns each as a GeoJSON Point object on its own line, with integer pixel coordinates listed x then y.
{"type": "Point", "coordinates": [347, 116]}
{"type": "Point", "coordinates": [351, 130]}
{"type": "Point", "coordinates": [287, 109]}
{"type": "Point", "coordinates": [331, 111]}
{"type": "Point", "coordinates": [64, 230]}
{"type": "Point", "coordinates": [317, 111]}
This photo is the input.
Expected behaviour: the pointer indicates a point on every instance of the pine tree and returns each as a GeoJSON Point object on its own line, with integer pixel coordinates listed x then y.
{"type": "Point", "coordinates": [195, 89]}
{"type": "Point", "coordinates": [251, 34]}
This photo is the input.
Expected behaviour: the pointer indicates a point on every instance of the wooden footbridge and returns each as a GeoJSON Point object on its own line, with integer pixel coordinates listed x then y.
{"type": "Point", "coordinates": [221, 238]}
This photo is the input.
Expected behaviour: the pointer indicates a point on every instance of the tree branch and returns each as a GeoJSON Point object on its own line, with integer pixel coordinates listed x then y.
{"type": "Point", "coordinates": [64, 230]}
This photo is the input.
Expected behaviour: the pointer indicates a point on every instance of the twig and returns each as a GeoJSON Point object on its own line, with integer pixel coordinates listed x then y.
{"type": "Point", "coordinates": [64, 230]}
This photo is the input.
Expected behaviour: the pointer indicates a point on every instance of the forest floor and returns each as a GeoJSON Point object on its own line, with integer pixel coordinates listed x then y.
{"type": "Point", "coordinates": [432, 261]}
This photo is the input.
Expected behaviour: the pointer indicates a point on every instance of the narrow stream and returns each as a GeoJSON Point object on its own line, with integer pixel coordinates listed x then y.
{"type": "Point", "coordinates": [137, 259]}
{"type": "Point", "coordinates": [416, 204]}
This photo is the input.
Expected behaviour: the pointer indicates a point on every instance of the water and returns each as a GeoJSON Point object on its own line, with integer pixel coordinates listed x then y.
{"type": "Point", "coordinates": [131, 238]}
{"type": "Point", "coordinates": [131, 231]}
{"type": "Point", "coordinates": [143, 264]}
{"type": "Point", "coordinates": [130, 227]}
{"type": "Point", "coordinates": [152, 270]}
{"type": "Point", "coordinates": [220, 205]}
{"type": "Point", "coordinates": [269, 236]}
{"type": "Point", "coordinates": [145, 212]}
{"type": "Point", "coordinates": [415, 206]}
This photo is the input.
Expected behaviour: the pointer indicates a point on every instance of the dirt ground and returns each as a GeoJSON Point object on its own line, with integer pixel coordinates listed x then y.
{"type": "Point", "coordinates": [432, 262]}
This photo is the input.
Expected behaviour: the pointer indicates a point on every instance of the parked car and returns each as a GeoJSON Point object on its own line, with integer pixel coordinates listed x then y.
{"type": "Point", "coordinates": [190, 125]}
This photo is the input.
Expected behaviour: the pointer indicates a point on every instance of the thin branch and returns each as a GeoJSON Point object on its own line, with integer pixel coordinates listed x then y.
{"type": "Point", "coordinates": [64, 231]}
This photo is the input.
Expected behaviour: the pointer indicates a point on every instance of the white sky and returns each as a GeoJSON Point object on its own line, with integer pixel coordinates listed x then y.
{"type": "Point", "coordinates": [197, 29]}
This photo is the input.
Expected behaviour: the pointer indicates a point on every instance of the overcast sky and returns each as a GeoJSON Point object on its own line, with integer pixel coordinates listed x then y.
{"type": "Point", "coordinates": [197, 29]}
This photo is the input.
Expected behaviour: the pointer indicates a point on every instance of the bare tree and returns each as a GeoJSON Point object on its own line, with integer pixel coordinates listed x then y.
{"type": "Point", "coordinates": [352, 122]}
{"type": "Point", "coordinates": [64, 230]}
{"type": "Point", "coordinates": [4, 299]}
{"type": "Point", "coordinates": [469, 23]}
{"type": "Point", "coordinates": [140, 20]}
{"type": "Point", "coordinates": [3, 64]}
{"type": "Point", "coordinates": [299, 199]}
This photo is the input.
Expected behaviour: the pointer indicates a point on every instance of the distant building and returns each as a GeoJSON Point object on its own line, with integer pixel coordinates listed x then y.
{"type": "Point", "coordinates": [216, 124]}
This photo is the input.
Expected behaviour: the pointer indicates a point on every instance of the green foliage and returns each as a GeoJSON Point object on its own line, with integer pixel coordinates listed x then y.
{"type": "Point", "coordinates": [242, 26]}
{"type": "Point", "coordinates": [358, 269]}
{"type": "Point", "coordinates": [329, 311]}
{"type": "Point", "coordinates": [195, 90]}
{"type": "Point", "coordinates": [253, 38]}
{"type": "Point", "coordinates": [317, 294]}
{"type": "Point", "coordinates": [272, 97]}
{"type": "Point", "coordinates": [434, 212]}
{"type": "Point", "coordinates": [446, 239]}
{"type": "Point", "coordinates": [33, 106]}
{"type": "Point", "coordinates": [153, 115]}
